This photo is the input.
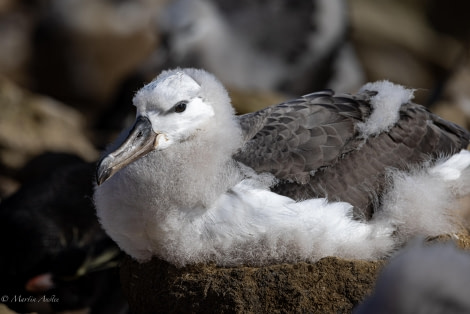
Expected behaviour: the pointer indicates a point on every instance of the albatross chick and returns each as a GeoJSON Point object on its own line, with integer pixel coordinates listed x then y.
{"type": "Point", "coordinates": [325, 174]}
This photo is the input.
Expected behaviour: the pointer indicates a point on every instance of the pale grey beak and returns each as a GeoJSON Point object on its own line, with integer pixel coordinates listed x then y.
{"type": "Point", "coordinates": [140, 141]}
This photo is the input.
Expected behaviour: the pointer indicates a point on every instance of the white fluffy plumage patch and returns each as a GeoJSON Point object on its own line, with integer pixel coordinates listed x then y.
{"type": "Point", "coordinates": [385, 106]}
{"type": "Point", "coordinates": [251, 225]}
{"type": "Point", "coordinates": [423, 201]}
{"type": "Point", "coordinates": [166, 90]}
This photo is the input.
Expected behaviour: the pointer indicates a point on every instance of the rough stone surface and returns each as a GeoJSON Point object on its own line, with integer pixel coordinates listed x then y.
{"type": "Point", "coordinates": [31, 124]}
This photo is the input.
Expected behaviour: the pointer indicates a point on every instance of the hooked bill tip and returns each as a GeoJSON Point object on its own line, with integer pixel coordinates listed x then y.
{"type": "Point", "coordinates": [103, 173]}
{"type": "Point", "coordinates": [140, 140]}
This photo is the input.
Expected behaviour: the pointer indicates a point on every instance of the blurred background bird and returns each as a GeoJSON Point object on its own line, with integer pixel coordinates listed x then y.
{"type": "Point", "coordinates": [52, 244]}
{"type": "Point", "coordinates": [291, 47]}
{"type": "Point", "coordinates": [422, 278]}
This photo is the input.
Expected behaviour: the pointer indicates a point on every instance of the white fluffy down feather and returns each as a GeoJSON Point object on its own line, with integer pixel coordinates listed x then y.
{"type": "Point", "coordinates": [386, 104]}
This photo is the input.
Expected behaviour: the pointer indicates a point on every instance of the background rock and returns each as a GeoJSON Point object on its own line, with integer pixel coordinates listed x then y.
{"type": "Point", "coordinates": [95, 45]}
{"type": "Point", "coordinates": [31, 124]}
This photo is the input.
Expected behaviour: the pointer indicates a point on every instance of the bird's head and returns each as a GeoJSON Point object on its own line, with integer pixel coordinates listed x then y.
{"type": "Point", "coordinates": [171, 109]}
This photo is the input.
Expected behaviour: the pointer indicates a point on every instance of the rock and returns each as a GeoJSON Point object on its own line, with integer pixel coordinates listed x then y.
{"type": "Point", "coordinates": [454, 103]}
{"type": "Point", "coordinates": [246, 101]}
{"type": "Point", "coordinates": [5, 310]}
{"type": "Point", "coordinates": [410, 53]}
{"type": "Point", "coordinates": [449, 18]}
{"type": "Point", "coordinates": [7, 186]}
{"type": "Point", "coordinates": [31, 124]}
{"type": "Point", "coordinates": [84, 49]}
{"type": "Point", "coordinates": [16, 27]}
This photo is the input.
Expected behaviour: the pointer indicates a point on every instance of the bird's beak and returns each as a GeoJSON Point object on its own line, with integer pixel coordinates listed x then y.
{"type": "Point", "coordinates": [140, 141]}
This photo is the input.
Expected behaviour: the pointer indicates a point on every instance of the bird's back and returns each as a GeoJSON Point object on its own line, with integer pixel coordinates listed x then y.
{"type": "Point", "coordinates": [315, 147]}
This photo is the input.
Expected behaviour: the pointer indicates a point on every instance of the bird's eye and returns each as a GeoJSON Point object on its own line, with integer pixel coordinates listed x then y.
{"type": "Point", "coordinates": [181, 106]}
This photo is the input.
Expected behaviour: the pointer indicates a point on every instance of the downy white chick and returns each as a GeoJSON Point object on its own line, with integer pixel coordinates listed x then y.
{"type": "Point", "coordinates": [192, 182]}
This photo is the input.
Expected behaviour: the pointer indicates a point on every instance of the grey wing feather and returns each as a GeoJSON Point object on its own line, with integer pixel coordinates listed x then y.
{"type": "Point", "coordinates": [295, 138]}
{"type": "Point", "coordinates": [312, 146]}
{"type": "Point", "coordinates": [360, 176]}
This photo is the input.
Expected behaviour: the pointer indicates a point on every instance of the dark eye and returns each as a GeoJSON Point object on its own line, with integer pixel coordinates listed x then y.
{"type": "Point", "coordinates": [181, 106]}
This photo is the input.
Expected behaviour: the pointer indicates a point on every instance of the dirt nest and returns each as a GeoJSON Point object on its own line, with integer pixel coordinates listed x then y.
{"type": "Point", "coordinates": [330, 285]}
